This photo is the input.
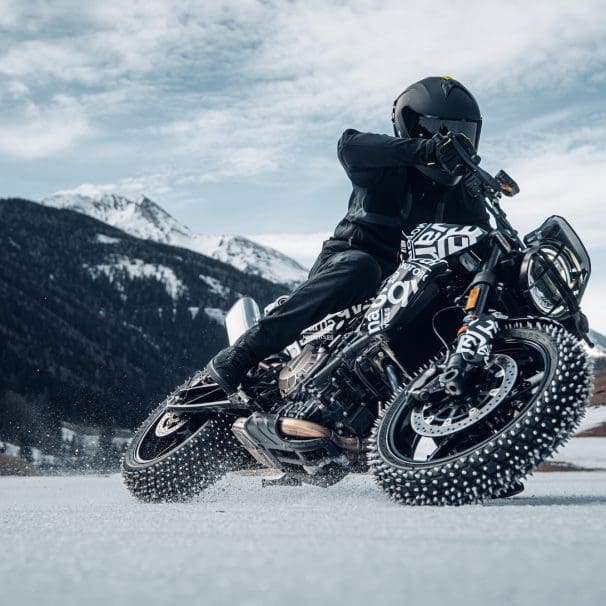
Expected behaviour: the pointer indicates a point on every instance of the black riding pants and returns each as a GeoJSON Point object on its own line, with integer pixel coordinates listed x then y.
{"type": "Point", "coordinates": [340, 277]}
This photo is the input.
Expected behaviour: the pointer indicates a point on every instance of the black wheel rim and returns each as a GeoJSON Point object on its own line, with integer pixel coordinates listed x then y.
{"type": "Point", "coordinates": [406, 446]}
{"type": "Point", "coordinates": [163, 437]}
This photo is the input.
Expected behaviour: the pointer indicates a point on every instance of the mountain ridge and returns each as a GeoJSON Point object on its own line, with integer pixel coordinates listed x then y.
{"type": "Point", "coordinates": [97, 325]}
{"type": "Point", "coordinates": [144, 218]}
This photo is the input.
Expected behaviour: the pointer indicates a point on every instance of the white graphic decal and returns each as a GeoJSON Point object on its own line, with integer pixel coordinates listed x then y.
{"type": "Point", "coordinates": [440, 240]}
{"type": "Point", "coordinates": [398, 292]}
{"type": "Point", "coordinates": [475, 343]}
{"type": "Point", "coordinates": [329, 326]}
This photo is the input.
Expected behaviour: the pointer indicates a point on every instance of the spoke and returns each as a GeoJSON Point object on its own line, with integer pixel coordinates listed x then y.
{"type": "Point", "coordinates": [159, 451]}
{"type": "Point", "coordinates": [515, 394]}
{"type": "Point", "coordinates": [440, 447]}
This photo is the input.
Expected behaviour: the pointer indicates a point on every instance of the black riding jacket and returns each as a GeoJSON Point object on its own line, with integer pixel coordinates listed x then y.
{"type": "Point", "coordinates": [389, 196]}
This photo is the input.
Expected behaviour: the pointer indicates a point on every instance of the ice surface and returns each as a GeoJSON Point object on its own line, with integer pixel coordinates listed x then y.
{"type": "Point", "coordinates": [84, 540]}
{"type": "Point", "coordinates": [594, 417]}
{"type": "Point", "coordinates": [589, 453]}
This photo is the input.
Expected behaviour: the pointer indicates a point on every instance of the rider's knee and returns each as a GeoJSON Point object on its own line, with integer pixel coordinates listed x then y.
{"type": "Point", "coordinates": [366, 272]}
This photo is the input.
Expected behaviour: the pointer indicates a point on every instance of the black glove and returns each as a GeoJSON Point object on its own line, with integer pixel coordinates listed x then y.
{"type": "Point", "coordinates": [449, 158]}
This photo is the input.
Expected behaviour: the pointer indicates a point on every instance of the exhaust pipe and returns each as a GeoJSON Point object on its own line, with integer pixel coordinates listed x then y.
{"type": "Point", "coordinates": [297, 428]}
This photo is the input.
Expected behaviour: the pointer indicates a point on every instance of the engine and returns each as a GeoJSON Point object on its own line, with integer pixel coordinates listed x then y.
{"type": "Point", "coordinates": [295, 371]}
{"type": "Point", "coordinates": [345, 392]}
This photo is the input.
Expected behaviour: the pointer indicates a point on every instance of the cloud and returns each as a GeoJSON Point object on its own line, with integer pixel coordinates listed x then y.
{"type": "Point", "coordinates": [318, 54]}
{"type": "Point", "coordinates": [46, 61]}
{"type": "Point", "coordinates": [125, 41]}
{"type": "Point", "coordinates": [9, 13]}
{"type": "Point", "coordinates": [215, 78]}
{"type": "Point", "coordinates": [559, 170]}
{"type": "Point", "coordinates": [233, 108]}
{"type": "Point", "coordinates": [17, 90]}
{"type": "Point", "coordinates": [129, 186]}
{"type": "Point", "coordinates": [310, 69]}
{"type": "Point", "coordinates": [36, 131]}
{"type": "Point", "coordinates": [304, 247]}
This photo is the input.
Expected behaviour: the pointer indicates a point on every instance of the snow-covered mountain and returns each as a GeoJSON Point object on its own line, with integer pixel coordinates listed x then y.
{"type": "Point", "coordinates": [145, 219]}
{"type": "Point", "coordinates": [105, 322]}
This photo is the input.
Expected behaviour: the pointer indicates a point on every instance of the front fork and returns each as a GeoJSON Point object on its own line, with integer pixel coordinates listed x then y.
{"type": "Point", "coordinates": [474, 338]}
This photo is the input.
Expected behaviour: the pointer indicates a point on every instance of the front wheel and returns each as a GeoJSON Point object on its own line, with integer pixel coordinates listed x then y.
{"type": "Point", "coordinates": [172, 457]}
{"type": "Point", "coordinates": [455, 450]}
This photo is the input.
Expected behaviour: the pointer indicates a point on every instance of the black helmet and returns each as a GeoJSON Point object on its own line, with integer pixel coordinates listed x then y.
{"type": "Point", "coordinates": [437, 105]}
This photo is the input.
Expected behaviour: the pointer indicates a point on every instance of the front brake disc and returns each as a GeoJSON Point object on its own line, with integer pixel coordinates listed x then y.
{"type": "Point", "coordinates": [444, 414]}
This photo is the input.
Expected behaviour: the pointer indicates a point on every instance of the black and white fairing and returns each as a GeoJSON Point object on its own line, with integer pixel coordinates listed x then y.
{"type": "Point", "coordinates": [433, 241]}
{"type": "Point", "coordinates": [426, 253]}
{"type": "Point", "coordinates": [333, 324]}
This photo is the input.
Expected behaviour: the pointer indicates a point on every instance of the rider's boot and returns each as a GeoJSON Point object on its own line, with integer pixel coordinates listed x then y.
{"type": "Point", "coordinates": [231, 364]}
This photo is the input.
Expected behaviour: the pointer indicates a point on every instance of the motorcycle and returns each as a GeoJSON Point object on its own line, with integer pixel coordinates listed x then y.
{"type": "Point", "coordinates": [463, 374]}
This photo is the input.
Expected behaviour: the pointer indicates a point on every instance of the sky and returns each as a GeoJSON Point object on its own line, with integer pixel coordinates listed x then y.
{"type": "Point", "coordinates": [227, 113]}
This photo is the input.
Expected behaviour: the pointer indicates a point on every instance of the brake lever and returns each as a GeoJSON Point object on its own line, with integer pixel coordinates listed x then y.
{"type": "Point", "coordinates": [473, 163]}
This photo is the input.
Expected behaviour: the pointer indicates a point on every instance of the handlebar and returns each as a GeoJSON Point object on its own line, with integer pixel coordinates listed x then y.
{"type": "Point", "coordinates": [501, 182]}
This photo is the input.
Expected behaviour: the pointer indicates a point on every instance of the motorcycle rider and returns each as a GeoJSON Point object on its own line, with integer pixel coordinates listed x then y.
{"type": "Point", "coordinates": [399, 181]}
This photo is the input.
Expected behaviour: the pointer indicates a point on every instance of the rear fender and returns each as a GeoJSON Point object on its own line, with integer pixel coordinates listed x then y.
{"type": "Point", "coordinates": [244, 314]}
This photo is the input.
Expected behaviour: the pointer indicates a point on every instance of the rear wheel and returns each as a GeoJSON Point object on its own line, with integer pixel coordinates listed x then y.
{"type": "Point", "coordinates": [172, 457]}
{"type": "Point", "coordinates": [453, 450]}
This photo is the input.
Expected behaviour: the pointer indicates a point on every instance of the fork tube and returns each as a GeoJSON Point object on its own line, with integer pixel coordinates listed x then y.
{"type": "Point", "coordinates": [482, 284]}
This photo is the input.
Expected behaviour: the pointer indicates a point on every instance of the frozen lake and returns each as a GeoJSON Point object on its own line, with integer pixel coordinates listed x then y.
{"type": "Point", "coordinates": [83, 540]}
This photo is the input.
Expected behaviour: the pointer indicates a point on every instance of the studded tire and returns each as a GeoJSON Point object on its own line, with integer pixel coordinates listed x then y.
{"type": "Point", "coordinates": [195, 464]}
{"type": "Point", "coordinates": [549, 419]}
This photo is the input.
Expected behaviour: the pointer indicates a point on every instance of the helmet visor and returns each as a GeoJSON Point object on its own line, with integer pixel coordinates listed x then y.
{"type": "Point", "coordinates": [428, 126]}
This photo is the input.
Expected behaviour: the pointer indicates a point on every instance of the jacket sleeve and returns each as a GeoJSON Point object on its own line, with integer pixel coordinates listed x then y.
{"type": "Point", "coordinates": [366, 151]}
